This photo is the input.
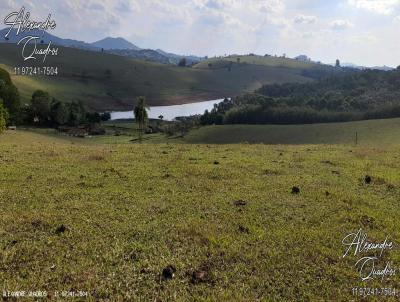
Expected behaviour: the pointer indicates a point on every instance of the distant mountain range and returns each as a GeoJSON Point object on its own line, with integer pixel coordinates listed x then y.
{"type": "Point", "coordinates": [351, 65]}
{"type": "Point", "coordinates": [117, 46]}
{"type": "Point", "coordinates": [304, 58]}
{"type": "Point", "coordinates": [45, 38]}
{"type": "Point", "coordinates": [120, 46]}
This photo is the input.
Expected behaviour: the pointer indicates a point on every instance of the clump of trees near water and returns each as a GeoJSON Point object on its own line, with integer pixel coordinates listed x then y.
{"type": "Point", "coordinates": [369, 94]}
{"type": "Point", "coordinates": [42, 110]}
{"type": "Point", "coordinates": [45, 110]}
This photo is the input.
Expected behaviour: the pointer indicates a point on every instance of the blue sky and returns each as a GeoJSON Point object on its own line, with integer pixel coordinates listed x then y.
{"type": "Point", "coordinates": [364, 32]}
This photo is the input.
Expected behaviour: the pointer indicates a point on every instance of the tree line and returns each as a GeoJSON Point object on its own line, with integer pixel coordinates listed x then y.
{"type": "Point", "coordinates": [368, 94]}
{"type": "Point", "coordinates": [42, 110]}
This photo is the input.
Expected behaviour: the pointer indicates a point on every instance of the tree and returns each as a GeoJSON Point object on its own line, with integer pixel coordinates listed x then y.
{"type": "Point", "coordinates": [161, 117]}
{"type": "Point", "coordinates": [93, 118]}
{"type": "Point", "coordinates": [238, 60]}
{"type": "Point", "coordinates": [337, 63]}
{"type": "Point", "coordinates": [40, 107]}
{"type": "Point", "coordinates": [3, 116]}
{"type": "Point", "coordinates": [106, 116]}
{"type": "Point", "coordinates": [76, 113]}
{"type": "Point", "coordinates": [58, 113]}
{"type": "Point", "coordinates": [141, 116]}
{"type": "Point", "coordinates": [182, 62]}
{"type": "Point", "coordinates": [9, 94]}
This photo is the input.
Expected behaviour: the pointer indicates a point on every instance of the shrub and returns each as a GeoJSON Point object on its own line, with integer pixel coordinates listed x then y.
{"type": "Point", "coordinates": [9, 94]}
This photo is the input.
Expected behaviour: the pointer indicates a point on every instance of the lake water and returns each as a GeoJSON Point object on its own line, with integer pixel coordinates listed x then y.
{"type": "Point", "coordinates": [170, 112]}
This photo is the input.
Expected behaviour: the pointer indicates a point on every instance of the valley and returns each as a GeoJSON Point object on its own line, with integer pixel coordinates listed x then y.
{"type": "Point", "coordinates": [110, 82]}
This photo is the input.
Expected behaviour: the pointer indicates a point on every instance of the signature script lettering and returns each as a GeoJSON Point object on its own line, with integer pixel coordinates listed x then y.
{"type": "Point", "coordinates": [24, 24]}
{"type": "Point", "coordinates": [368, 269]}
{"type": "Point", "coordinates": [43, 51]}
{"type": "Point", "coordinates": [369, 266]}
{"type": "Point", "coordinates": [359, 241]}
{"type": "Point", "coordinates": [21, 21]}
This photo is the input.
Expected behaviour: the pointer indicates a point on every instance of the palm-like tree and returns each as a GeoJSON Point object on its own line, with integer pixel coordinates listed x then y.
{"type": "Point", "coordinates": [141, 116]}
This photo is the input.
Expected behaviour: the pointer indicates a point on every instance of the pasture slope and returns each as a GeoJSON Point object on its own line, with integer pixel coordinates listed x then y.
{"type": "Point", "coordinates": [369, 132]}
{"type": "Point", "coordinates": [110, 82]}
{"type": "Point", "coordinates": [109, 218]}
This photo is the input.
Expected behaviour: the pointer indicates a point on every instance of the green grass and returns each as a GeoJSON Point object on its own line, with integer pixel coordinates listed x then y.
{"type": "Point", "coordinates": [386, 131]}
{"type": "Point", "coordinates": [131, 210]}
{"type": "Point", "coordinates": [126, 136]}
{"type": "Point", "coordinates": [161, 84]}
{"type": "Point", "coordinates": [370, 132]}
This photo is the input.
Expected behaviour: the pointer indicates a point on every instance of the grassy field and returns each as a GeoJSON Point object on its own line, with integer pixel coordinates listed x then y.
{"type": "Point", "coordinates": [110, 82]}
{"type": "Point", "coordinates": [371, 132]}
{"type": "Point", "coordinates": [108, 219]}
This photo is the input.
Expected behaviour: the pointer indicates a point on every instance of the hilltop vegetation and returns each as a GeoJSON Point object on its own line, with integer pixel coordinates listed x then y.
{"type": "Point", "coordinates": [347, 96]}
{"type": "Point", "coordinates": [110, 82]}
{"type": "Point", "coordinates": [270, 61]}
{"type": "Point", "coordinates": [362, 91]}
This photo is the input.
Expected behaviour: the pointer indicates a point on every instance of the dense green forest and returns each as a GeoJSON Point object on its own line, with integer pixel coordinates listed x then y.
{"type": "Point", "coordinates": [351, 96]}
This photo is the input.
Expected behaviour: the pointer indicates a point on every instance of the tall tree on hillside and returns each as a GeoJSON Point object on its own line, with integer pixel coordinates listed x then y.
{"type": "Point", "coordinates": [141, 116]}
{"type": "Point", "coordinates": [337, 63]}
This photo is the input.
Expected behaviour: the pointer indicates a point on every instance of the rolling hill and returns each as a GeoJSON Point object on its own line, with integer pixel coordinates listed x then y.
{"type": "Point", "coordinates": [115, 43]}
{"type": "Point", "coordinates": [110, 82]}
{"type": "Point", "coordinates": [378, 132]}
{"type": "Point", "coordinates": [269, 61]}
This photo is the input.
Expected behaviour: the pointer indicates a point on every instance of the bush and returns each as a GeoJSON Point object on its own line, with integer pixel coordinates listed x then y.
{"type": "Point", "coordinates": [106, 116]}
{"type": "Point", "coordinates": [9, 94]}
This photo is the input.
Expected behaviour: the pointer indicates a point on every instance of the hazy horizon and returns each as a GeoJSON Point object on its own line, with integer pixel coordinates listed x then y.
{"type": "Point", "coordinates": [362, 32]}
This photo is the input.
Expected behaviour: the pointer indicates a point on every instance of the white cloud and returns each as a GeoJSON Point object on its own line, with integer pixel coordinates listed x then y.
{"type": "Point", "coordinates": [385, 7]}
{"type": "Point", "coordinates": [303, 19]}
{"type": "Point", "coordinates": [215, 27]}
{"type": "Point", "coordinates": [341, 24]}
